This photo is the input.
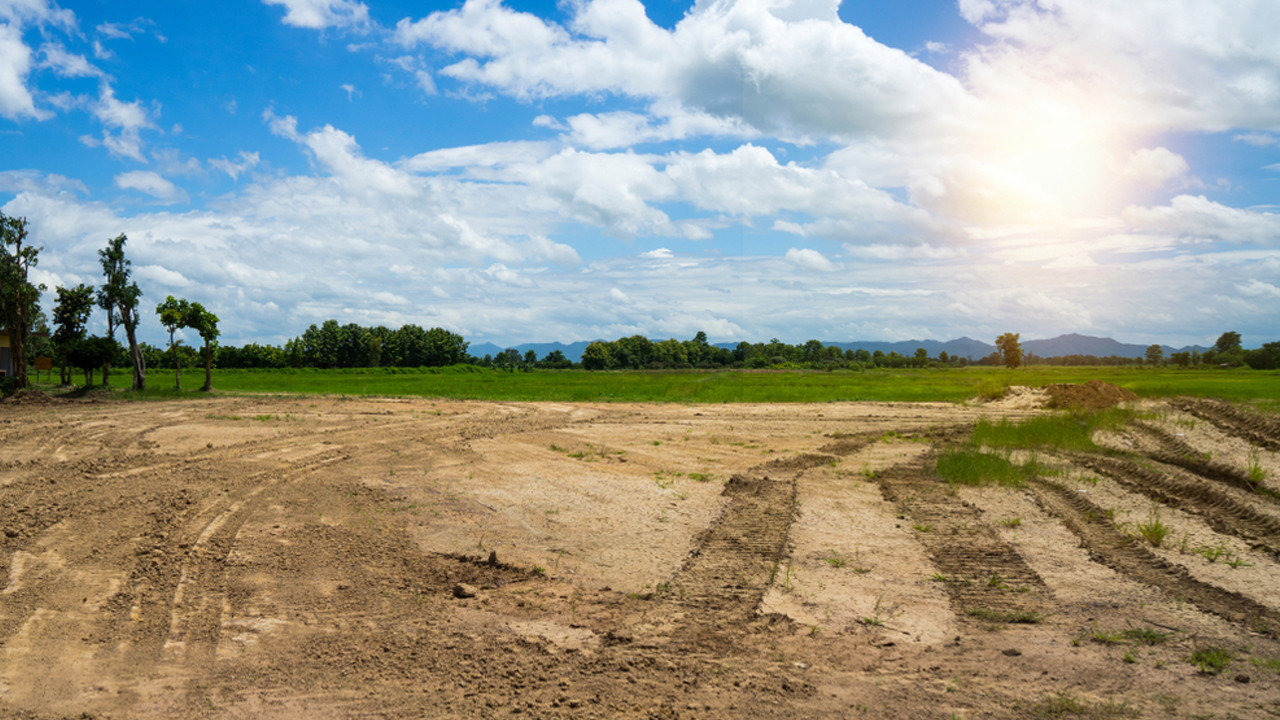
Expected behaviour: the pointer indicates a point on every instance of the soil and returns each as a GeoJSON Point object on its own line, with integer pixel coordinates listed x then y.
{"type": "Point", "coordinates": [389, 558]}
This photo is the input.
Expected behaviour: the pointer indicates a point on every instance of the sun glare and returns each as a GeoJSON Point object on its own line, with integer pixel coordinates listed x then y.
{"type": "Point", "coordinates": [1056, 157]}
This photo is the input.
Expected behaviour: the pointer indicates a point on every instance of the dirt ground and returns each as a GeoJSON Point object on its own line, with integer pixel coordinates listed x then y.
{"type": "Point", "coordinates": [385, 558]}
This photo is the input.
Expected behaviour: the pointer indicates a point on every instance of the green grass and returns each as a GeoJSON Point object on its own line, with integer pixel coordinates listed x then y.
{"type": "Point", "coordinates": [970, 466]}
{"type": "Point", "coordinates": [916, 385]}
{"type": "Point", "coordinates": [1211, 660]}
{"type": "Point", "coordinates": [1067, 431]}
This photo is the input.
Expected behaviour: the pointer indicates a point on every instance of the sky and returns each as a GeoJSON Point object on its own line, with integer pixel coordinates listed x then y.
{"type": "Point", "coordinates": [528, 171]}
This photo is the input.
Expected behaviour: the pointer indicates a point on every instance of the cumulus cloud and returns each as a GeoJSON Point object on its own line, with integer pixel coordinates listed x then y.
{"type": "Point", "coordinates": [789, 68]}
{"type": "Point", "coordinates": [150, 183]}
{"type": "Point", "coordinates": [1162, 64]}
{"type": "Point", "coordinates": [810, 259]}
{"type": "Point", "coordinates": [1195, 218]}
{"type": "Point", "coordinates": [1155, 167]}
{"type": "Point", "coordinates": [321, 14]}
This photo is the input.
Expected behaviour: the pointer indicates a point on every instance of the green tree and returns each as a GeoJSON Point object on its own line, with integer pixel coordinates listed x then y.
{"type": "Point", "coordinates": [90, 353]}
{"type": "Point", "coordinates": [173, 315]}
{"type": "Point", "coordinates": [70, 317]}
{"type": "Point", "coordinates": [19, 298]}
{"type": "Point", "coordinates": [1181, 359]}
{"type": "Point", "coordinates": [206, 324]}
{"type": "Point", "coordinates": [120, 297]}
{"type": "Point", "coordinates": [598, 356]}
{"type": "Point", "coordinates": [1155, 354]}
{"type": "Point", "coordinates": [1010, 350]}
{"type": "Point", "coordinates": [1227, 342]}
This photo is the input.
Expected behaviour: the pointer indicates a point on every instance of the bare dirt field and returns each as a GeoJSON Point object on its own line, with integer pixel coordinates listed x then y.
{"type": "Point", "coordinates": [242, 557]}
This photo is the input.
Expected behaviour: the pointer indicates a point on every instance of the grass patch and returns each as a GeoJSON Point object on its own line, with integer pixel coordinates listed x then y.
{"type": "Point", "coordinates": [971, 466]}
{"type": "Point", "coordinates": [1016, 617]}
{"type": "Point", "coordinates": [1153, 531]}
{"type": "Point", "coordinates": [1259, 388]}
{"type": "Point", "coordinates": [1066, 705]}
{"type": "Point", "coordinates": [1211, 660]}
{"type": "Point", "coordinates": [1066, 431]}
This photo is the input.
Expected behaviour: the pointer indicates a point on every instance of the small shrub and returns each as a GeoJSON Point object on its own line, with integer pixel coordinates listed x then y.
{"type": "Point", "coordinates": [1153, 531]}
{"type": "Point", "coordinates": [1211, 660]}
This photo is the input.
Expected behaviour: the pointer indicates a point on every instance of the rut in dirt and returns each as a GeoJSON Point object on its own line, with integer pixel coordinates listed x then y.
{"type": "Point", "coordinates": [739, 556]}
{"type": "Point", "coordinates": [1108, 546]}
{"type": "Point", "coordinates": [1218, 509]}
{"type": "Point", "coordinates": [1255, 428]}
{"type": "Point", "coordinates": [985, 576]}
{"type": "Point", "coordinates": [1172, 451]}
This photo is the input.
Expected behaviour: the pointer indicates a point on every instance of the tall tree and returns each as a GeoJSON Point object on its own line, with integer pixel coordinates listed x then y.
{"type": "Point", "coordinates": [120, 298]}
{"type": "Point", "coordinates": [205, 323]}
{"type": "Point", "coordinates": [19, 299]}
{"type": "Point", "coordinates": [173, 315]}
{"type": "Point", "coordinates": [1010, 350]}
{"type": "Point", "coordinates": [1154, 355]}
{"type": "Point", "coordinates": [71, 317]}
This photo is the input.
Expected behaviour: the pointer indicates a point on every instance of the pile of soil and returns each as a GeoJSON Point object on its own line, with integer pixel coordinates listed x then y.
{"type": "Point", "coordinates": [1093, 395]}
{"type": "Point", "coordinates": [29, 397]}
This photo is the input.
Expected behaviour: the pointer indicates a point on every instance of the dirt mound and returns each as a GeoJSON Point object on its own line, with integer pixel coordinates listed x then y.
{"type": "Point", "coordinates": [29, 397]}
{"type": "Point", "coordinates": [1093, 395]}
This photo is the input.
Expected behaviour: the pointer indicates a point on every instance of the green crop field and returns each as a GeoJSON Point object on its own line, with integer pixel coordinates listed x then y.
{"type": "Point", "coordinates": [924, 385]}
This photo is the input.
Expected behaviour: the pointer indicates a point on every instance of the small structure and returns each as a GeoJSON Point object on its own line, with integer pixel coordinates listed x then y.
{"type": "Point", "coordinates": [6, 354]}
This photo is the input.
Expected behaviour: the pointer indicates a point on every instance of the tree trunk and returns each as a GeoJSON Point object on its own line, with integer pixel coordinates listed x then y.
{"type": "Point", "coordinates": [208, 368]}
{"type": "Point", "coordinates": [18, 355]}
{"type": "Point", "coordinates": [139, 362]}
{"type": "Point", "coordinates": [177, 366]}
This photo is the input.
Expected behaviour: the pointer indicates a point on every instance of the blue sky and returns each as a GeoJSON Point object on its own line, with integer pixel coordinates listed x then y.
{"type": "Point", "coordinates": [529, 171]}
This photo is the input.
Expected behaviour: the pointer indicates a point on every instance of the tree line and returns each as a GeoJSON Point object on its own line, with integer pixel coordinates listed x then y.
{"type": "Point", "coordinates": [69, 344]}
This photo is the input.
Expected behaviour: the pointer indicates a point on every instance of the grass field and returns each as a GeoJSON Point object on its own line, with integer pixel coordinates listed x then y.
{"type": "Point", "coordinates": [946, 385]}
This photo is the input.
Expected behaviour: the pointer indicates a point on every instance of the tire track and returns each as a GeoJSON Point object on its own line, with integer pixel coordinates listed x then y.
{"type": "Point", "coordinates": [1108, 546]}
{"type": "Point", "coordinates": [985, 576]}
{"type": "Point", "coordinates": [1172, 451]}
{"type": "Point", "coordinates": [1255, 428]}
{"type": "Point", "coordinates": [1219, 510]}
{"type": "Point", "coordinates": [723, 581]}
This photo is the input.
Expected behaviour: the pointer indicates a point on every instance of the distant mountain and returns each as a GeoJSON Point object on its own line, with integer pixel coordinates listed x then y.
{"type": "Point", "coordinates": [573, 351]}
{"type": "Point", "coordinates": [1074, 344]}
{"type": "Point", "coordinates": [965, 347]}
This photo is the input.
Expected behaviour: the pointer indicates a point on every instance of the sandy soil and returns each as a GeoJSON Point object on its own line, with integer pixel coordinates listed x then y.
{"type": "Point", "coordinates": [331, 558]}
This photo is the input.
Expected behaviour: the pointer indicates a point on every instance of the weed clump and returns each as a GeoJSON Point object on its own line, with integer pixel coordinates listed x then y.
{"type": "Point", "coordinates": [971, 466]}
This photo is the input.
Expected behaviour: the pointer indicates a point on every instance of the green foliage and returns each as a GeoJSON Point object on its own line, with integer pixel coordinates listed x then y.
{"type": "Point", "coordinates": [1072, 431]}
{"type": "Point", "coordinates": [120, 297]}
{"type": "Point", "coordinates": [972, 466]}
{"type": "Point", "coordinates": [1153, 531]}
{"type": "Point", "coordinates": [1211, 660]}
{"type": "Point", "coordinates": [19, 298]}
{"type": "Point", "coordinates": [1010, 350]}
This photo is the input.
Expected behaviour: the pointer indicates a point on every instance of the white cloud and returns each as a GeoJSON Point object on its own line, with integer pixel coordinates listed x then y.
{"type": "Point", "coordinates": [618, 295]}
{"type": "Point", "coordinates": [1257, 139]}
{"type": "Point", "coordinates": [15, 63]}
{"type": "Point", "coordinates": [128, 118]}
{"type": "Point", "coordinates": [65, 63]}
{"type": "Point", "coordinates": [732, 59]}
{"type": "Point", "coordinates": [321, 14]}
{"type": "Point", "coordinates": [247, 161]}
{"type": "Point", "coordinates": [150, 183]}
{"type": "Point", "coordinates": [1155, 167]}
{"type": "Point", "coordinates": [810, 259]}
{"type": "Point", "coordinates": [1259, 289]}
{"type": "Point", "coordinates": [658, 254]}
{"type": "Point", "coordinates": [162, 276]}
{"type": "Point", "coordinates": [1188, 65]}
{"type": "Point", "coordinates": [1194, 218]}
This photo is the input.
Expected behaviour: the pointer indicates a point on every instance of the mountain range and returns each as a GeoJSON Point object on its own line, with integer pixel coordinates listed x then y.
{"type": "Point", "coordinates": [966, 347]}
